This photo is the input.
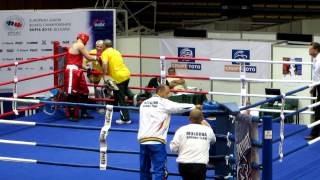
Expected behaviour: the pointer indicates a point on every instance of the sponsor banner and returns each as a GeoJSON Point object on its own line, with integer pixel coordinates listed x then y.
{"type": "Point", "coordinates": [30, 34]}
{"type": "Point", "coordinates": [203, 48]}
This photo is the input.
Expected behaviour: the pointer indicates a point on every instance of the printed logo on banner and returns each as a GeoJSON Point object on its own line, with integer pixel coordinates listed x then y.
{"type": "Point", "coordinates": [43, 42]}
{"type": "Point", "coordinates": [33, 50]}
{"type": "Point", "coordinates": [7, 59]}
{"type": "Point", "coordinates": [186, 52]}
{"type": "Point", "coordinates": [188, 66]}
{"type": "Point", "coordinates": [65, 42]}
{"type": "Point", "coordinates": [99, 23]}
{"type": "Point", "coordinates": [32, 42]}
{"type": "Point", "coordinates": [240, 54]}
{"type": "Point", "coordinates": [46, 50]}
{"type": "Point", "coordinates": [1, 50]}
{"type": "Point", "coordinates": [10, 50]}
{"type": "Point", "coordinates": [22, 50]}
{"type": "Point", "coordinates": [18, 43]}
{"type": "Point", "coordinates": [235, 67]}
{"type": "Point", "coordinates": [14, 25]}
{"type": "Point", "coordinates": [8, 43]}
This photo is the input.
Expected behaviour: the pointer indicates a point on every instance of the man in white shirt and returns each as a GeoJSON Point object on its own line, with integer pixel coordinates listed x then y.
{"type": "Point", "coordinates": [314, 50]}
{"type": "Point", "coordinates": [192, 143]}
{"type": "Point", "coordinates": [155, 114]}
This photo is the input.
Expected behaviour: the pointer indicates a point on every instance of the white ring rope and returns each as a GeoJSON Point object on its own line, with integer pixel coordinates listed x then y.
{"type": "Point", "coordinates": [259, 61]}
{"type": "Point", "coordinates": [259, 80]}
{"type": "Point", "coordinates": [260, 95]}
{"type": "Point", "coordinates": [279, 111]}
{"type": "Point", "coordinates": [313, 124]}
{"type": "Point", "coordinates": [23, 160]}
{"type": "Point", "coordinates": [4, 141]}
{"type": "Point", "coordinates": [25, 123]}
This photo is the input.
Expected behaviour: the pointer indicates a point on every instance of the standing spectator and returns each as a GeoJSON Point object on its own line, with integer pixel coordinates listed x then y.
{"type": "Point", "coordinates": [112, 64]}
{"type": "Point", "coordinates": [314, 50]}
{"type": "Point", "coordinates": [153, 128]}
{"type": "Point", "coordinates": [192, 143]}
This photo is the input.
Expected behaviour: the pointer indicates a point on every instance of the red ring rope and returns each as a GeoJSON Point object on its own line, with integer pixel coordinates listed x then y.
{"type": "Point", "coordinates": [31, 77]}
{"type": "Point", "coordinates": [32, 60]}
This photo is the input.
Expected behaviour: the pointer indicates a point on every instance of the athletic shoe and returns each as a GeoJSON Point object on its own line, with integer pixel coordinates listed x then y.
{"type": "Point", "coordinates": [120, 121]}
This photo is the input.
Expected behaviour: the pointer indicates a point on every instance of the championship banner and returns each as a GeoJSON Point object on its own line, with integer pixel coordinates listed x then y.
{"type": "Point", "coordinates": [29, 34]}
{"type": "Point", "coordinates": [226, 49]}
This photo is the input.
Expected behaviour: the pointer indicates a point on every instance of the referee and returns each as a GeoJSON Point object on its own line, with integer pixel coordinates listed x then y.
{"type": "Point", "coordinates": [192, 143]}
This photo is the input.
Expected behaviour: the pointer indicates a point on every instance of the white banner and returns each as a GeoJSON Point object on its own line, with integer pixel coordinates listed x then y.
{"type": "Point", "coordinates": [29, 34]}
{"type": "Point", "coordinates": [217, 49]}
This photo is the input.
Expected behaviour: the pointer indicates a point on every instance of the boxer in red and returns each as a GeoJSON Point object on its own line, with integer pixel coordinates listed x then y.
{"type": "Point", "coordinates": [74, 81]}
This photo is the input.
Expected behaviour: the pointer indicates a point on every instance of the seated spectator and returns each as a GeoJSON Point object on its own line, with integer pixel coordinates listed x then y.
{"type": "Point", "coordinates": [155, 82]}
{"type": "Point", "coordinates": [175, 83]}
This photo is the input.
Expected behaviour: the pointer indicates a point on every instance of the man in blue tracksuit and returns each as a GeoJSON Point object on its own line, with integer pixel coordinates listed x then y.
{"type": "Point", "coordinates": [153, 128]}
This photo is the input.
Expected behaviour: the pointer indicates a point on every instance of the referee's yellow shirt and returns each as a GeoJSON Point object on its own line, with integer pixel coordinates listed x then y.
{"type": "Point", "coordinates": [116, 67]}
{"type": "Point", "coordinates": [95, 66]}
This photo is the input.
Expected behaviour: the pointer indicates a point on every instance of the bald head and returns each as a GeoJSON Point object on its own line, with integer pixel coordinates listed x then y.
{"type": "Point", "coordinates": [196, 116]}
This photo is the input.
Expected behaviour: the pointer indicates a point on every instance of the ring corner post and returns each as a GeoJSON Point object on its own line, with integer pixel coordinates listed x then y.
{"type": "Point", "coordinates": [267, 148]}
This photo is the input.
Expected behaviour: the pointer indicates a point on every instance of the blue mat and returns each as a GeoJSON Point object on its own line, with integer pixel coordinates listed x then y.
{"type": "Point", "coordinates": [294, 166]}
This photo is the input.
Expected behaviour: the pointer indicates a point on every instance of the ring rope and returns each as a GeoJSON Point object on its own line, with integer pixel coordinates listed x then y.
{"type": "Point", "coordinates": [224, 78]}
{"type": "Point", "coordinates": [31, 77]}
{"type": "Point", "coordinates": [33, 60]}
{"type": "Point", "coordinates": [214, 59]}
{"type": "Point", "coordinates": [24, 160]}
{"type": "Point", "coordinates": [82, 148]}
{"type": "Point", "coordinates": [279, 96]}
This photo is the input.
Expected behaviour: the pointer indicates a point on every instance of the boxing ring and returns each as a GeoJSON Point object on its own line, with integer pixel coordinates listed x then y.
{"type": "Point", "coordinates": [49, 146]}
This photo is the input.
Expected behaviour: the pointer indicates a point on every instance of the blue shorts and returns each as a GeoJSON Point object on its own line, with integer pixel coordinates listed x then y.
{"type": "Point", "coordinates": [157, 155]}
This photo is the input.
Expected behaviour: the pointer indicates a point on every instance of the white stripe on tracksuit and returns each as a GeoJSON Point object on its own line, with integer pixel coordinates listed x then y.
{"type": "Point", "coordinates": [71, 68]}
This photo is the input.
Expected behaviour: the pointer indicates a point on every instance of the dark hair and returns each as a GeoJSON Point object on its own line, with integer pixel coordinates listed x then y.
{"type": "Point", "coordinates": [315, 45]}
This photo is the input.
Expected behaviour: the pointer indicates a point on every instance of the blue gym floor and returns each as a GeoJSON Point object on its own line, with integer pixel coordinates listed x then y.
{"type": "Point", "coordinates": [303, 164]}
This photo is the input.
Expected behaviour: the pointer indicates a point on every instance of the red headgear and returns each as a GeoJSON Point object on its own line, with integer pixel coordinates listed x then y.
{"type": "Point", "coordinates": [84, 37]}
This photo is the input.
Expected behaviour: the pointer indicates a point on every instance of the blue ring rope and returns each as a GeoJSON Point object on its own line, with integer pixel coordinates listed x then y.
{"type": "Point", "coordinates": [273, 98]}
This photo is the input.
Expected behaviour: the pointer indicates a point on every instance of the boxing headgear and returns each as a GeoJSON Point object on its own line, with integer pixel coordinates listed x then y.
{"type": "Point", "coordinates": [84, 37]}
